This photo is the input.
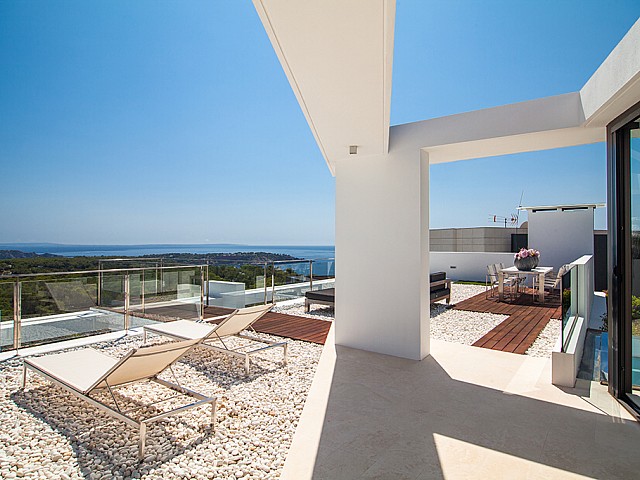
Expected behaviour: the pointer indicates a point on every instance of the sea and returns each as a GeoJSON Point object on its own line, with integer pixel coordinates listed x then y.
{"type": "Point", "coordinates": [309, 252]}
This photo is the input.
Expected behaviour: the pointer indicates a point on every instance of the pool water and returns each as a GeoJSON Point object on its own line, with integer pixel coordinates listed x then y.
{"type": "Point", "coordinates": [603, 353]}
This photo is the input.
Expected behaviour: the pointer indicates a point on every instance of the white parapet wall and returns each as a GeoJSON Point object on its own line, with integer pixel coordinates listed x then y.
{"type": "Point", "coordinates": [234, 295]}
{"type": "Point", "coordinates": [561, 233]}
{"type": "Point", "coordinates": [567, 353]}
{"type": "Point", "coordinates": [471, 266]}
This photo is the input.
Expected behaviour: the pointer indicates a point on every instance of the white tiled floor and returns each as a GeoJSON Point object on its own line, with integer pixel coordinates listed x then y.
{"type": "Point", "coordinates": [463, 412]}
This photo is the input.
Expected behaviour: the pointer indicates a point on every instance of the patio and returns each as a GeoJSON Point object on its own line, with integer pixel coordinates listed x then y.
{"type": "Point", "coordinates": [520, 330]}
{"type": "Point", "coordinates": [273, 323]}
{"type": "Point", "coordinates": [463, 412]}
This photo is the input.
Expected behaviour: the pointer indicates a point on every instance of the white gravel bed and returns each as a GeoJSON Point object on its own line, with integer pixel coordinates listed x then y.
{"type": "Point", "coordinates": [461, 291]}
{"type": "Point", "coordinates": [46, 432]}
{"type": "Point", "coordinates": [464, 327]}
{"type": "Point", "coordinates": [460, 326]}
{"type": "Point", "coordinates": [547, 339]}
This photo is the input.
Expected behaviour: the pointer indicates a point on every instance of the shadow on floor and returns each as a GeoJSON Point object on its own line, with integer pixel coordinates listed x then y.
{"type": "Point", "coordinates": [393, 418]}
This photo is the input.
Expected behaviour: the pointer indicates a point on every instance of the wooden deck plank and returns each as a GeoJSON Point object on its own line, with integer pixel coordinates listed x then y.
{"type": "Point", "coordinates": [520, 328]}
{"type": "Point", "coordinates": [273, 323]}
{"type": "Point", "coordinates": [525, 321]}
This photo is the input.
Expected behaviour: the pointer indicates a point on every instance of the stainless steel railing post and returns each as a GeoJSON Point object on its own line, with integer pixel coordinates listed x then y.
{"type": "Point", "coordinates": [142, 287]}
{"type": "Point", "coordinates": [17, 314]}
{"type": "Point", "coordinates": [201, 293]}
{"type": "Point", "coordinates": [265, 283]}
{"type": "Point", "coordinates": [310, 275]}
{"type": "Point", "coordinates": [207, 282]}
{"type": "Point", "coordinates": [273, 282]}
{"type": "Point", "coordinates": [99, 286]}
{"type": "Point", "coordinates": [127, 319]}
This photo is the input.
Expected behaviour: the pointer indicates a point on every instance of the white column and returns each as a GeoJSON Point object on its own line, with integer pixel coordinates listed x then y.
{"type": "Point", "coordinates": [382, 253]}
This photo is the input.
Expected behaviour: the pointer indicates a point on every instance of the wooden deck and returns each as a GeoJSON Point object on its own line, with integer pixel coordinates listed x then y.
{"type": "Point", "coordinates": [289, 326]}
{"type": "Point", "coordinates": [525, 322]}
{"type": "Point", "coordinates": [283, 325]}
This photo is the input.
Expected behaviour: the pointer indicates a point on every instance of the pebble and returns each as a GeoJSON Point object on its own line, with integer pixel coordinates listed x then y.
{"type": "Point", "coordinates": [46, 430]}
{"type": "Point", "coordinates": [48, 433]}
{"type": "Point", "coordinates": [543, 346]}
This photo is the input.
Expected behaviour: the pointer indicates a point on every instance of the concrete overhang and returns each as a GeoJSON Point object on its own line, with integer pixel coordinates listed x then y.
{"type": "Point", "coordinates": [338, 57]}
{"type": "Point", "coordinates": [545, 123]}
{"type": "Point", "coordinates": [553, 122]}
{"type": "Point", "coordinates": [615, 86]}
{"type": "Point", "coordinates": [573, 206]}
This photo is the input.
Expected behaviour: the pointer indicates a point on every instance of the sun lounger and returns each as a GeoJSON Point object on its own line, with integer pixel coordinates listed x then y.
{"type": "Point", "coordinates": [231, 325]}
{"type": "Point", "coordinates": [85, 372]}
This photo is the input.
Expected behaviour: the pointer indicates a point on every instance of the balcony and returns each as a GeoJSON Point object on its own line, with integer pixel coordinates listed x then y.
{"type": "Point", "coordinates": [416, 418]}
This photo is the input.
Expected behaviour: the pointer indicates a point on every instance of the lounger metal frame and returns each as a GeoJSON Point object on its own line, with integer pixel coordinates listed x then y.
{"type": "Point", "coordinates": [122, 415]}
{"type": "Point", "coordinates": [246, 356]}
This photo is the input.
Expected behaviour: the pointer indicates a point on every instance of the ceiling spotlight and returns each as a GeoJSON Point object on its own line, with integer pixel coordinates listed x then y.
{"type": "Point", "coordinates": [353, 150]}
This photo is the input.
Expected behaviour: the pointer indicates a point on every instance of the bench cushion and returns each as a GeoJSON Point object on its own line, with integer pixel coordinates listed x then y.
{"type": "Point", "coordinates": [326, 295]}
{"type": "Point", "coordinates": [444, 292]}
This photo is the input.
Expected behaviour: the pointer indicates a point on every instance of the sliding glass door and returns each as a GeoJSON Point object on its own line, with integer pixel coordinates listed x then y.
{"type": "Point", "coordinates": [624, 257]}
{"type": "Point", "coordinates": [634, 154]}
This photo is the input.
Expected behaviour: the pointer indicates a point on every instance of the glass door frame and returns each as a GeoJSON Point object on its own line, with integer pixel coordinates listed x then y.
{"type": "Point", "coordinates": [619, 256]}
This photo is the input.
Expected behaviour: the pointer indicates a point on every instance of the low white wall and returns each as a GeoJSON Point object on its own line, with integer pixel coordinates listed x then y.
{"type": "Point", "coordinates": [186, 290]}
{"type": "Point", "coordinates": [227, 294]}
{"type": "Point", "coordinates": [565, 365]}
{"type": "Point", "coordinates": [233, 294]}
{"type": "Point", "coordinates": [471, 266]}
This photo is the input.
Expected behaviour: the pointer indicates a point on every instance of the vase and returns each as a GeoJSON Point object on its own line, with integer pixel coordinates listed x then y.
{"type": "Point", "coordinates": [527, 263]}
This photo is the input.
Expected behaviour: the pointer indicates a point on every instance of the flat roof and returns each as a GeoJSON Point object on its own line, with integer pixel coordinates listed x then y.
{"type": "Point", "coordinates": [575, 206]}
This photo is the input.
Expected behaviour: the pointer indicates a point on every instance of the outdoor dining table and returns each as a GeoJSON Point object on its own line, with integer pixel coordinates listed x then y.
{"type": "Point", "coordinates": [541, 272]}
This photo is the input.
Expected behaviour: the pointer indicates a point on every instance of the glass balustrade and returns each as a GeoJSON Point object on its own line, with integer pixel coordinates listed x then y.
{"type": "Point", "coordinates": [242, 285]}
{"type": "Point", "coordinates": [58, 308]}
{"type": "Point", "coordinates": [569, 289]}
{"type": "Point", "coordinates": [45, 308]}
{"type": "Point", "coordinates": [51, 307]}
{"type": "Point", "coordinates": [6, 315]}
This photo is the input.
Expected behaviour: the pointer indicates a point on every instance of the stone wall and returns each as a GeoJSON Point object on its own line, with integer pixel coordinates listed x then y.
{"type": "Point", "coordinates": [477, 239]}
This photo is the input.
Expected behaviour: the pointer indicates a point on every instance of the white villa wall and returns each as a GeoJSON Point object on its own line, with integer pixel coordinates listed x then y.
{"type": "Point", "coordinates": [466, 265]}
{"type": "Point", "coordinates": [382, 252]}
{"type": "Point", "coordinates": [344, 91]}
{"type": "Point", "coordinates": [561, 236]}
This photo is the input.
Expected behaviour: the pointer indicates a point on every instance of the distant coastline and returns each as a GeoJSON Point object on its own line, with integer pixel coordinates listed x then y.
{"type": "Point", "coordinates": [298, 251]}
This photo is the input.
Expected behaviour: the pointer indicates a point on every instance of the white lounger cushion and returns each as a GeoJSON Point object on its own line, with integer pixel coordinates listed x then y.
{"type": "Point", "coordinates": [84, 370]}
{"type": "Point", "coordinates": [147, 362]}
{"type": "Point", "coordinates": [231, 325]}
{"type": "Point", "coordinates": [182, 329]}
{"type": "Point", "coordinates": [241, 320]}
{"type": "Point", "coordinates": [79, 369]}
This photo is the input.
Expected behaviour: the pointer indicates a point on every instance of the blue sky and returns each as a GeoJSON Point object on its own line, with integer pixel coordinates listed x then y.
{"type": "Point", "coordinates": [172, 122]}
